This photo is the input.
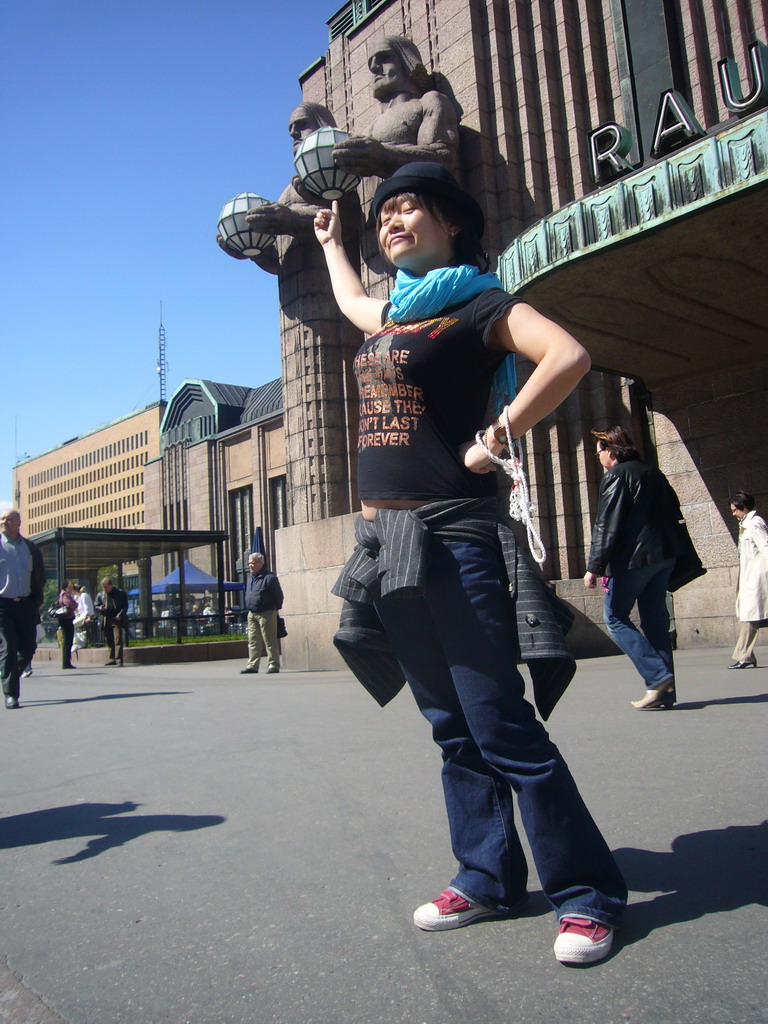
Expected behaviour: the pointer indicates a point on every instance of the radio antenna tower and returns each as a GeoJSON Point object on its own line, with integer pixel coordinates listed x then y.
{"type": "Point", "coordinates": [162, 363]}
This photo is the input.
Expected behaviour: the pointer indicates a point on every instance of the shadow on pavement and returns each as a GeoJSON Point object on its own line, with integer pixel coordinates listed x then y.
{"type": "Point", "coordinates": [97, 820]}
{"type": "Point", "coordinates": [697, 705]}
{"type": "Point", "coordinates": [101, 696]}
{"type": "Point", "coordinates": [705, 873]}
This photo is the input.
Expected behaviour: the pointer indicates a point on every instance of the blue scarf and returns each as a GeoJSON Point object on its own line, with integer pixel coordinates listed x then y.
{"type": "Point", "coordinates": [416, 298]}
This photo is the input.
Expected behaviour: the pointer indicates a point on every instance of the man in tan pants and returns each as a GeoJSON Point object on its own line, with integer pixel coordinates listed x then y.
{"type": "Point", "coordinates": [263, 599]}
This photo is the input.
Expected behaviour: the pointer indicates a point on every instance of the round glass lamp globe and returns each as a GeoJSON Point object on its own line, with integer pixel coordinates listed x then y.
{"type": "Point", "coordinates": [234, 229]}
{"type": "Point", "coordinates": [316, 169]}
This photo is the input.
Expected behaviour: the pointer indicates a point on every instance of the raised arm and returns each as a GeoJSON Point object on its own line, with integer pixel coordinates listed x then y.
{"type": "Point", "coordinates": [353, 300]}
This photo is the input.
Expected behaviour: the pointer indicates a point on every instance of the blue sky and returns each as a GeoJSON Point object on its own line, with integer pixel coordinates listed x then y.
{"type": "Point", "coordinates": [126, 125]}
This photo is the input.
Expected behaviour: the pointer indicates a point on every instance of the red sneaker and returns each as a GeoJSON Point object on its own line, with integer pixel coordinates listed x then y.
{"type": "Point", "coordinates": [582, 941]}
{"type": "Point", "coordinates": [450, 910]}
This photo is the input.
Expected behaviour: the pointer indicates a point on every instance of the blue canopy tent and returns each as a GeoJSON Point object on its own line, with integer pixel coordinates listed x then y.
{"type": "Point", "coordinates": [195, 581]}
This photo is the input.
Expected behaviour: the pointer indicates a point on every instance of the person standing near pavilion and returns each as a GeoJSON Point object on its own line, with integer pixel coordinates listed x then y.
{"type": "Point", "coordinates": [66, 612]}
{"type": "Point", "coordinates": [22, 579]}
{"type": "Point", "coordinates": [112, 605]}
{"type": "Point", "coordinates": [263, 599]}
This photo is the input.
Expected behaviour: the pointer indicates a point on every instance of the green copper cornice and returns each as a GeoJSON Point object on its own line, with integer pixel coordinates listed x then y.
{"type": "Point", "coordinates": [708, 171]}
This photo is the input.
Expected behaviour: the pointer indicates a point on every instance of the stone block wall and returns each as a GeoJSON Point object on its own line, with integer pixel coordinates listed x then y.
{"type": "Point", "coordinates": [200, 491]}
{"type": "Point", "coordinates": [587, 637]}
{"type": "Point", "coordinates": [153, 494]}
{"type": "Point", "coordinates": [711, 441]}
{"type": "Point", "coordinates": [309, 558]}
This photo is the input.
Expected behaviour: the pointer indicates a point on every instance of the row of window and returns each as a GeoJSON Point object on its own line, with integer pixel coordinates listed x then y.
{"type": "Point", "coordinates": [349, 16]}
{"type": "Point", "coordinates": [53, 507]}
{"type": "Point", "coordinates": [241, 520]}
{"type": "Point", "coordinates": [108, 451]}
{"type": "Point", "coordinates": [124, 484]}
{"type": "Point", "coordinates": [75, 483]}
{"type": "Point", "coordinates": [75, 519]}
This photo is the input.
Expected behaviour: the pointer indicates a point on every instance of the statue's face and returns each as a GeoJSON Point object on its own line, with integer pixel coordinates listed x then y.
{"type": "Point", "coordinates": [389, 75]}
{"type": "Point", "coordinates": [300, 125]}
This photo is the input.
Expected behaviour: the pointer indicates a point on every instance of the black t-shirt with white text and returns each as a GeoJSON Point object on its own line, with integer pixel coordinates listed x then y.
{"type": "Point", "coordinates": [424, 389]}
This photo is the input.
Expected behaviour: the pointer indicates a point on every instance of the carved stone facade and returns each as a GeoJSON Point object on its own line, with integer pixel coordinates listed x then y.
{"type": "Point", "coordinates": [317, 344]}
{"type": "Point", "coordinates": [660, 271]}
{"type": "Point", "coordinates": [221, 466]}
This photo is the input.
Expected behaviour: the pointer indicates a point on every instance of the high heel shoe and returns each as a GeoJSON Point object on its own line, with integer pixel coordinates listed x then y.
{"type": "Point", "coordinates": [659, 697]}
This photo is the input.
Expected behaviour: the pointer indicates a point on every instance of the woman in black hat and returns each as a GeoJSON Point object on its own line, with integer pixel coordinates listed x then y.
{"type": "Point", "coordinates": [437, 567]}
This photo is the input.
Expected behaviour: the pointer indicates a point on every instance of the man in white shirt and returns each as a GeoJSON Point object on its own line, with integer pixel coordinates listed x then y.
{"type": "Point", "coordinates": [22, 577]}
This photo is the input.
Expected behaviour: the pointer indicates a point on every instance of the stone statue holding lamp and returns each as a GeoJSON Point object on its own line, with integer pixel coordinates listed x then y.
{"type": "Point", "coordinates": [294, 212]}
{"type": "Point", "coordinates": [415, 121]}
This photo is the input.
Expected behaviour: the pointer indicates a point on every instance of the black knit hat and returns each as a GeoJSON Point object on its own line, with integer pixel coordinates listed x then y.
{"type": "Point", "coordinates": [432, 179]}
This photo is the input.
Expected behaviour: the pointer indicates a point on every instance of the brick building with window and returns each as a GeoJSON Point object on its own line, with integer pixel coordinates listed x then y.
{"type": "Point", "coordinates": [95, 479]}
{"type": "Point", "coordinates": [221, 466]}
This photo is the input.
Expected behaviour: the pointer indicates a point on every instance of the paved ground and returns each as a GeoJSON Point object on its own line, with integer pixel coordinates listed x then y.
{"type": "Point", "coordinates": [185, 844]}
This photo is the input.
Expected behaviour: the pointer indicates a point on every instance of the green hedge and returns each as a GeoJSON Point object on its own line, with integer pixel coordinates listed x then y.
{"type": "Point", "coordinates": [166, 641]}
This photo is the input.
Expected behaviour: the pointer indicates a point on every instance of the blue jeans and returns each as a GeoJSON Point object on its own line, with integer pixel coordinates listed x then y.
{"type": "Point", "coordinates": [651, 650]}
{"type": "Point", "coordinates": [457, 645]}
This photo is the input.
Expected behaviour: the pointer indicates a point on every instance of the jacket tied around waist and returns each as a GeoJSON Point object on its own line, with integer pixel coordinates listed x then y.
{"type": "Point", "coordinates": [391, 558]}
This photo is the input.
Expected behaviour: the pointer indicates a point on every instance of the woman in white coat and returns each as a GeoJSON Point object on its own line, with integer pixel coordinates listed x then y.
{"type": "Point", "coordinates": [752, 591]}
{"type": "Point", "coordinates": [85, 613]}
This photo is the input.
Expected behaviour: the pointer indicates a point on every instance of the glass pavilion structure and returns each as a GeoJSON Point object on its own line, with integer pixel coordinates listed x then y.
{"type": "Point", "coordinates": [142, 558]}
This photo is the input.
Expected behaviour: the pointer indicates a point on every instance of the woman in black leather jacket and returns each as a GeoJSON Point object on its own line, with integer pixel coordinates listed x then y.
{"type": "Point", "coordinates": [635, 542]}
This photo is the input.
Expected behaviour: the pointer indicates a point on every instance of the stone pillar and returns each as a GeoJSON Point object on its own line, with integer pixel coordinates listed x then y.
{"type": "Point", "coordinates": [319, 394]}
{"type": "Point", "coordinates": [309, 558]}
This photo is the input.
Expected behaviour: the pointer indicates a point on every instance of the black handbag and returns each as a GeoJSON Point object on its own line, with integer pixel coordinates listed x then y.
{"type": "Point", "coordinates": [281, 630]}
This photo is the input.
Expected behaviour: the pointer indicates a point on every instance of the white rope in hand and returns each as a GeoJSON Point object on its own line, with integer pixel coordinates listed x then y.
{"type": "Point", "coordinates": [521, 508]}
